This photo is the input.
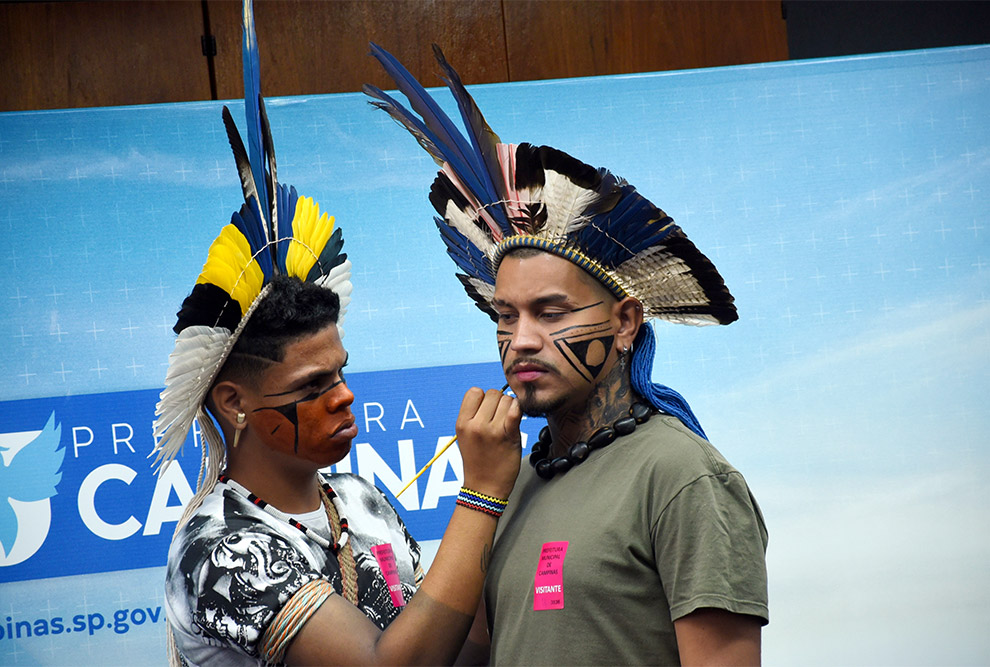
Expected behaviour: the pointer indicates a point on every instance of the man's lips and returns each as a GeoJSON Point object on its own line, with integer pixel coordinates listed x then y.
{"type": "Point", "coordinates": [528, 371]}
{"type": "Point", "coordinates": [347, 430]}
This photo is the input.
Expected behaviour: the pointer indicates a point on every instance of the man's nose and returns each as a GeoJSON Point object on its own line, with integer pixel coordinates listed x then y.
{"type": "Point", "coordinates": [527, 335]}
{"type": "Point", "coordinates": [339, 397]}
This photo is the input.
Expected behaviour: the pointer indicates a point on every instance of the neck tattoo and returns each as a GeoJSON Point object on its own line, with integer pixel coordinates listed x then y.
{"type": "Point", "coordinates": [579, 451]}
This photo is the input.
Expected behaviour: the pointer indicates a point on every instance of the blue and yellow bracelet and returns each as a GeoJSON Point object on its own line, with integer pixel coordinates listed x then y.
{"type": "Point", "coordinates": [481, 502]}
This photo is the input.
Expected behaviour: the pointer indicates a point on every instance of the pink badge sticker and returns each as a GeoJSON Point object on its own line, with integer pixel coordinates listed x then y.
{"type": "Point", "coordinates": [548, 591]}
{"type": "Point", "coordinates": [386, 561]}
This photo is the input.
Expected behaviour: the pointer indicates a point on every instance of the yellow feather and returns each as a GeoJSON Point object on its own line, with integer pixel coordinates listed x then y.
{"type": "Point", "coordinates": [230, 266]}
{"type": "Point", "coordinates": [310, 232]}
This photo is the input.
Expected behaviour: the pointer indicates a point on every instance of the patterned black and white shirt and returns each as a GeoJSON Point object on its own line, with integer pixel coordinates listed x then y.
{"type": "Point", "coordinates": [233, 566]}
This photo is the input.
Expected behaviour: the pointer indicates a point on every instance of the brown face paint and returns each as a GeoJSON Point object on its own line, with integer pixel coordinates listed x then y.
{"type": "Point", "coordinates": [302, 414]}
{"type": "Point", "coordinates": [585, 347]}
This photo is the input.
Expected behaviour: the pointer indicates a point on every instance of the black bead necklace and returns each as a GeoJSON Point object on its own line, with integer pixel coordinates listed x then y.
{"type": "Point", "coordinates": [579, 451]}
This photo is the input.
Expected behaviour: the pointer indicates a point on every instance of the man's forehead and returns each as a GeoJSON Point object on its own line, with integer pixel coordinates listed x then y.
{"type": "Point", "coordinates": [312, 353]}
{"type": "Point", "coordinates": [543, 276]}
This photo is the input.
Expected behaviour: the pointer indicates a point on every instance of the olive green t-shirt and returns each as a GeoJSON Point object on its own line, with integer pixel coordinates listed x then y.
{"type": "Point", "coordinates": [645, 531]}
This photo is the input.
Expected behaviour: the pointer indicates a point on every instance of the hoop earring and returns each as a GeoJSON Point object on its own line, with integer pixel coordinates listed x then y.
{"type": "Point", "coordinates": [237, 432]}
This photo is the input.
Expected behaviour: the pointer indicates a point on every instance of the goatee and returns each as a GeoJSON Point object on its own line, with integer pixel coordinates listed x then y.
{"type": "Point", "coordinates": [534, 407]}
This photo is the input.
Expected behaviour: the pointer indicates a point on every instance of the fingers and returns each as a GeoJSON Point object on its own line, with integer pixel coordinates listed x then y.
{"type": "Point", "coordinates": [491, 405]}
{"type": "Point", "coordinates": [489, 440]}
{"type": "Point", "coordinates": [470, 403]}
{"type": "Point", "coordinates": [509, 413]}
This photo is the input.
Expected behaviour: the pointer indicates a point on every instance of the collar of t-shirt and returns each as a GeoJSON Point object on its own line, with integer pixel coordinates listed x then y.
{"type": "Point", "coordinates": [316, 520]}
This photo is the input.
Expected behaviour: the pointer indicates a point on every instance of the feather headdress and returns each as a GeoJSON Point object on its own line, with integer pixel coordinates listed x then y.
{"type": "Point", "coordinates": [494, 197]}
{"type": "Point", "coordinates": [275, 232]}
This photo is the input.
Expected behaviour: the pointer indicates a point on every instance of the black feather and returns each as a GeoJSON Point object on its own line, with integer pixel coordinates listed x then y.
{"type": "Point", "coordinates": [200, 308]}
{"type": "Point", "coordinates": [241, 158]}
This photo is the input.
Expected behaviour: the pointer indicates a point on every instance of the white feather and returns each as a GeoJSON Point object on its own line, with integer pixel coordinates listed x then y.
{"type": "Point", "coordinates": [198, 353]}
{"type": "Point", "coordinates": [466, 225]}
{"type": "Point", "coordinates": [339, 280]}
{"type": "Point", "coordinates": [484, 289]}
{"type": "Point", "coordinates": [662, 280]}
{"type": "Point", "coordinates": [565, 201]}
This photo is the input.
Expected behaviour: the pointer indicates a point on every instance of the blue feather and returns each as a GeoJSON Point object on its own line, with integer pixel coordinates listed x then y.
{"type": "Point", "coordinates": [433, 145]}
{"type": "Point", "coordinates": [466, 255]}
{"type": "Point", "coordinates": [252, 112]}
{"type": "Point", "coordinates": [484, 141]}
{"type": "Point", "coordinates": [471, 165]}
{"type": "Point", "coordinates": [246, 220]}
{"type": "Point", "coordinates": [286, 198]}
{"type": "Point", "coordinates": [423, 104]}
{"type": "Point", "coordinates": [617, 235]}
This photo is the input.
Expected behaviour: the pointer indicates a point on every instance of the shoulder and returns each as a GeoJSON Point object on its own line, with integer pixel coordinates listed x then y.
{"type": "Point", "coordinates": [666, 446]}
{"type": "Point", "coordinates": [229, 533]}
{"type": "Point", "coordinates": [350, 484]}
{"type": "Point", "coordinates": [684, 470]}
{"type": "Point", "coordinates": [366, 507]}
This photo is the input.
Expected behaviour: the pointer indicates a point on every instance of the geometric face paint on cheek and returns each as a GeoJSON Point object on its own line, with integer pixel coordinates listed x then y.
{"type": "Point", "coordinates": [504, 339]}
{"type": "Point", "coordinates": [289, 412]}
{"type": "Point", "coordinates": [586, 347]}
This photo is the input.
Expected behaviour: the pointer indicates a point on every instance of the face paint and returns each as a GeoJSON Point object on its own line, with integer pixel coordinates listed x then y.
{"type": "Point", "coordinates": [318, 425]}
{"type": "Point", "coordinates": [290, 412]}
{"type": "Point", "coordinates": [504, 339]}
{"type": "Point", "coordinates": [585, 347]}
{"type": "Point", "coordinates": [556, 331]}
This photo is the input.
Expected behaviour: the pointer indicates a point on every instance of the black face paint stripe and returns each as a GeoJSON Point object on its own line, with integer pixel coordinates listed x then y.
{"type": "Point", "coordinates": [599, 326]}
{"type": "Point", "coordinates": [578, 310]}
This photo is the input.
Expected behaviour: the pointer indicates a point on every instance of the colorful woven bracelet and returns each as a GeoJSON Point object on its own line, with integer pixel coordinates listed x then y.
{"type": "Point", "coordinates": [481, 502]}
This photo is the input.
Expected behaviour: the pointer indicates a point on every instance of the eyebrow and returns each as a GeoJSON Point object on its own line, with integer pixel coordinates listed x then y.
{"type": "Point", "coordinates": [539, 301]}
{"type": "Point", "coordinates": [300, 382]}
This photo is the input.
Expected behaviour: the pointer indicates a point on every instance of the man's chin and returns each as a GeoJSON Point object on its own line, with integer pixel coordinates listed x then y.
{"type": "Point", "coordinates": [534, 406]}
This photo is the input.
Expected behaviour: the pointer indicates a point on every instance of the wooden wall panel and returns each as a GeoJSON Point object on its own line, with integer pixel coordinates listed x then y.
{"type": "Point", "coordinates": [594, 37]}
{"type": "Point", "coordinates": [92, 53]}
{"type": "Point", "coordinates": [79, 54]}
{"type": "Point", "coordinates": [313, 46]}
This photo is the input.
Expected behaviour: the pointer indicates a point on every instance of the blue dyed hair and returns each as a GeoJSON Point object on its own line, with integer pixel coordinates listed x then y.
{"type": "Point", "coordinates": [661, 397]}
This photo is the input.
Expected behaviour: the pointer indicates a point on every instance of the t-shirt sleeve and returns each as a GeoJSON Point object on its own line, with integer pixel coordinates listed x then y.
{"type": "Point", "coordinates": [711, 542]}
{"type": "Point", "coordinates": [243, 581]}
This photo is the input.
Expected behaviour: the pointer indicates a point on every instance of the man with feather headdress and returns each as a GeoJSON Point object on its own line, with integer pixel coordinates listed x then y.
{"type": "Point", "coordinates": [630, 539]}
{"type": "Point", "coordinates": [274, 562]}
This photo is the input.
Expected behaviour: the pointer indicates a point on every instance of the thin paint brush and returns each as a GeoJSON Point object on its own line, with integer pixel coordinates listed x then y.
{"type": "Point", "coordinates": [435, 457]}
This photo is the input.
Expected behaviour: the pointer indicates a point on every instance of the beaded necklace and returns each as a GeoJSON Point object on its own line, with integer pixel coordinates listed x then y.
{"type": "Point", "coordinates": [579, 451]}
{"type": "Point", "coordinates": [340, 547]}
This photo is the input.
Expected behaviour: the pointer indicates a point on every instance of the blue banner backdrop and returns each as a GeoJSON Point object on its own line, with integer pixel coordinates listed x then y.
{"type": "Point", "coordinates": [112, 512]}
{"type": "Point", "coordinates": [844, 200]}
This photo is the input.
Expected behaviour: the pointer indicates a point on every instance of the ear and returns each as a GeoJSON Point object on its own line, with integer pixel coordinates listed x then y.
{"type": "Point", "coordinates": [629, 312]}
{"type": "Point", "coordinates": [228, 398]}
